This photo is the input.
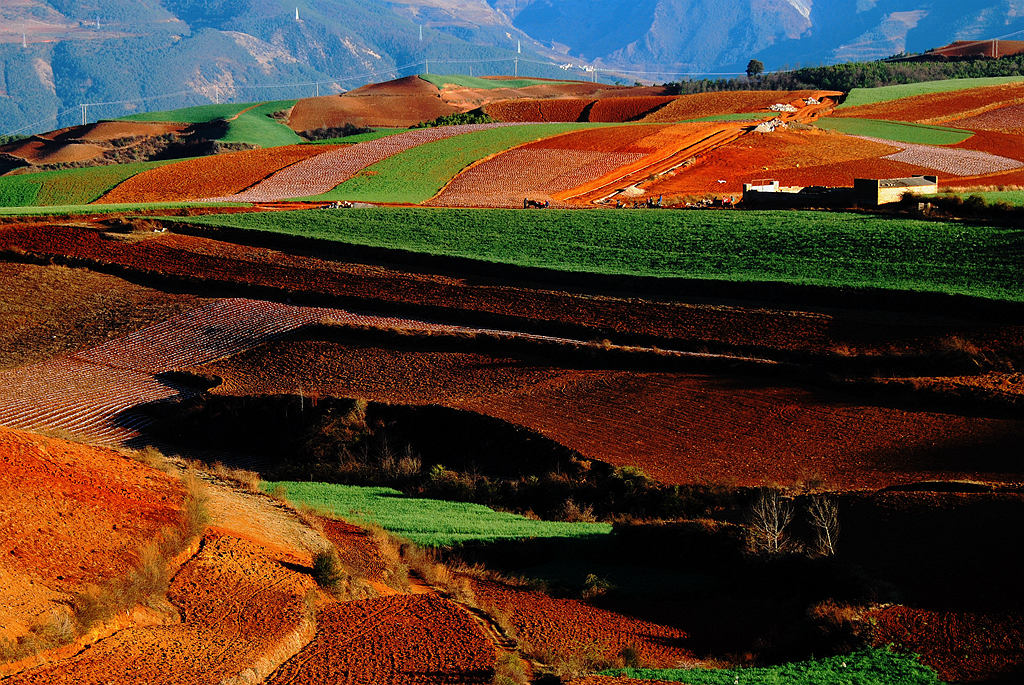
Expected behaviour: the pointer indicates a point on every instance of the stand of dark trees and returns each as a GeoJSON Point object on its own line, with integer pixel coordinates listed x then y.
{"type": "Point", "coordinates": [851, 75]}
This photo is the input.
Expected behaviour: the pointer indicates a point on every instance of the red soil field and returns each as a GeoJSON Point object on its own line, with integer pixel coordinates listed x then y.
{"type": "Point", "coordinates": [610, 109]}
{"type": "Point", "coordinates": [937, 108]}
{"type": "Point", "coordinates": [356, 549]}
{"type": "Point", "coordinates": [395, 640]}
{"type": "Point", "coordinates": [53, 310]}
{"type": "Point", "coordinates": [399, 103]}
{"type": "Point", "coordinates": [212, 176]}
{"type": "Point", "coordinates": [237, 606]}
{"type": "Point", "coordinates": [71, 515]}
{"type": "Point", "coordinates": [535, 173]}
{"type": "Point", "coordinates": [677, 427]}
{"type": "Point", "coordinates": [615, 109]}
{"type": "Point", "coordinates": [93, 393]}
{"type": "Point", "coordinates": [564, 626]}
{"type": "Point", "coordinates": [733, 102]}
{"type": "Point", "coordinates": [546, 168]}
{"type": "Point", "coordinates": [751, 328]}
{"type": "Point", "coordinates": [1008, 119]}
{"type": "Point", "coordinates": [962, 646]}
{"type": "Point", "coordinates": [37, 151]}
{"type": "Point", "coordinates": [552, 109]}
{"type": "Point", "coordinates": [815, 157]}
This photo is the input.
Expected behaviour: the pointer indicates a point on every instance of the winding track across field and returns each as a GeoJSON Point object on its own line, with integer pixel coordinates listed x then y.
{"type": "Point", "coordinates": [93, 393]}
{"type": "Point", "coordinates": [325, 172]}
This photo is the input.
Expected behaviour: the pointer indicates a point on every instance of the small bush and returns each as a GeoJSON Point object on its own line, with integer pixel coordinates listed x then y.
{"type": "Point", "coordinates": [327, 570]}
{"type": "Point", "coordinates": [596, 586]}
{"type": "Point", "coordinates": [629, 657]}
{"type": "Point", "coordinates": [509, 670]}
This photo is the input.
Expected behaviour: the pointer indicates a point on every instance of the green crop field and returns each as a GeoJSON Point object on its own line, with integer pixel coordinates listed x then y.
{"type": "Point", "coordinates": [867, 667]}
{"type": "Point", "coordinates": [359, 137]}
{"type": "Point", "coordinates": [429, 522]}
{"type": "Point", "coordinates": [804, 247]}
{"type": "Point", "coordinates": [192, 115]}
{"type": "Point", "coordinates": [257, 127]}
{"type": "Point", "coordinates": [900, 131]}
{"type": "Point", "coordinates": [1010, 197]}
{"type": "Point", "coordinates": [868, 96]}
{"type": "Point", "coordinates": [81, 210]}
{"type": "Point", "coordinates": [251, 125]}
{"type": "Point", "coordinates": [417, 174]}
{"type": "Point", "coordinates": [440, 80]}
{"type": "Point", "coordinates": [67, 186]}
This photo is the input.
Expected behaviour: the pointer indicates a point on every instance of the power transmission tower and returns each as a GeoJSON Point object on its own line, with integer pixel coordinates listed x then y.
{"type": "Point", "coordinates": [517, 66]}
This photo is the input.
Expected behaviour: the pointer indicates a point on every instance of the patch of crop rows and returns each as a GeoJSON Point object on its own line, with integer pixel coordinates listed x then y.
{"type": "Point", "coordinates": [324, 172]}
{"type": "Point", "coordinates": [93, 393]}
{"type": "Point", "coordinates": [538, 173]}
{"type": "Point", "coordinates": [1002, 119]}
{"type": "Point", "coordinates": [950, 160]}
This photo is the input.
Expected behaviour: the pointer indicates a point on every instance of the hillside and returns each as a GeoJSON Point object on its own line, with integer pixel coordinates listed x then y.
{"type": "Point", "coordinates": [173, 53]}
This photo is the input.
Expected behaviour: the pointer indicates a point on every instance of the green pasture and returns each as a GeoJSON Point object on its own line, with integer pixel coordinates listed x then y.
{"type": "Point", "coordinates": [867, 667]}
{"type": "Point", "coordinates": [428, 522]}
{"type": "Point", "coordinates": [253, 126]}
{"type": "Point", "coordinates": [900, 131]}
{"type": "Point", "coordinates": [257, 127]}
{"type": "Point", "coordinates": [80, 210]}
{"type": "Point", "coordinates": [417, 174]}
{"type": "Point", "coordinates": [67, 186]}
{"type": "Point", "coordinates": [1010, 197]}
{"type": "Point", "coordinates": [359, 137]}
{"type": "Point", "coordinates": [839, 249]}
{"type": "Point", "coordinates": [869, 96]}
{"type": "Point", "coordinates": [441, 80]}
{"type": "Point", "coordinates": [192, 115]}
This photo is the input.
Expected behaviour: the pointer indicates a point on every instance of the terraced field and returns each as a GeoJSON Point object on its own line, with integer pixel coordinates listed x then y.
{"type": "Point", "coordinates": [68, 186]}
{"type": "Point", "coordinates": [322, 173]}
{"type": "Point", "coordinates": [543, 170]}
{"type": "Point", "coordinates": [216, 175]}
{"type": "Point", "coordinates": [417, 174]}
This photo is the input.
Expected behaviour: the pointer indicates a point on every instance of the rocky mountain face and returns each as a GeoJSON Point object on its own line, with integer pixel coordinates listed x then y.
{"type": "Point", "coordinates": [120, 56]}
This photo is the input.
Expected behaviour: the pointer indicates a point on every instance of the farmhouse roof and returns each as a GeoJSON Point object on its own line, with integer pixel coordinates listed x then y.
{"type": "Point", "coordinates": [910, 182]}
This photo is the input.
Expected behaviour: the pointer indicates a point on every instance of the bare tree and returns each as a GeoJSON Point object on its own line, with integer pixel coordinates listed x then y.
{"type": "Point", "coordinates": [770, 515]}
{"type": "Point", "coordinates": [824, 515]}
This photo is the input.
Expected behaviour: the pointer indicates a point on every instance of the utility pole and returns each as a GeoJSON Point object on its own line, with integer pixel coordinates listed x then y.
{"type": "Point", "coordinates": [84, 106]}
{"type": "Point", "coordinates": [421, 33]}
{"type": "Point", "coordinates": [519, 47]}
{"type": "Point", "coordinates": [426, 66]}
{"type": "Point", "coordinates": [24, 41]}
{"type": "Point", "coordinates": [517, 66]}
{"type": "Point", "coordinates": [296, 14]}
{"type": "Point", "coordinates": [317, 89]}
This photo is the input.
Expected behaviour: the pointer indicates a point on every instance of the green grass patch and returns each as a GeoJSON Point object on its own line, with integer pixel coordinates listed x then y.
{"type": "Point", "coordinates": [192, 115]}
{"type": "Point", "coordinates": [867, 667]}
{"type": "Point", "coordinates": [68, 186]}
{"type": "Point", "coordinates": [257, 127]}
{"type": "Point", "coordinates": [417, 174]}
{"type": "Point", "coordinates": [803, 247]}
{"type": "Point", "coordinates": [869, 96]}
{"type": "Point", "coordinates": [441, 80]}
{"type": "Point", "coordinates": [1010, 197]}
{"type": "Point", "coordinates": [77, 210]}
{"type": "Point", "coordinates": [901, 131]}
{"type": "Point", "coordinates": [359, 137]}
{"type": "Point", "coordinates": [429, 522]}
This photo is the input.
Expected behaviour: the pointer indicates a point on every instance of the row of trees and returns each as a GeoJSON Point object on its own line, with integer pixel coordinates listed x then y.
{"type": "Point", "coordinates": [851, 75]}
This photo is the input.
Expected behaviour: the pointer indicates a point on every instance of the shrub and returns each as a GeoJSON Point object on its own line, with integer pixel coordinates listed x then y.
{"type": "Point", "coordinates": [327, 570]}
{"type": "Point", "coordinates": [509, 670]}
